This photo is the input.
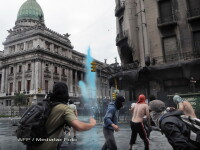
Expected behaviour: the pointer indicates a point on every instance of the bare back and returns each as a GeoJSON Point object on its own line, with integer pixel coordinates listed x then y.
{"type": "Point", "coordinates": [187, 108]}
{"type": "Point", "coordinates": [139, 111]}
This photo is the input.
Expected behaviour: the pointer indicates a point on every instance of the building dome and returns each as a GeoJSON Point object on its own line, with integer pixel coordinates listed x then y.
{"type": "Point", "coordinates": [30, 10]}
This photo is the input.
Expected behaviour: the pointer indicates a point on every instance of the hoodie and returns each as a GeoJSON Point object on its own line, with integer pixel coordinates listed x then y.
{"type": "Point", "coordinates": [110, 116]}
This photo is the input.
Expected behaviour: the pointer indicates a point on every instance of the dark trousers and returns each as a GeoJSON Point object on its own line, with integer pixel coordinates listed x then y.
{"type": "Point", "coordinates": [110, 143]}
{"type": "Point", "coordinates": [139, 128]}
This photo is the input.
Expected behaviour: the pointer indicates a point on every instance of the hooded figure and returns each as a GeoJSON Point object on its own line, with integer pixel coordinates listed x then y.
{"type": "Point", "coordinates": [157, 110]}
{"type": "Point", "coordinates": [119, 102]}
{"type": "Point", "coordinates": [175, 130]}
{"type": "Point", "coordinates": [110, 123]}
{"type": "Point", "coordinates": [177, 99]}
{"type": "Point", "coordinates": [60, 93]}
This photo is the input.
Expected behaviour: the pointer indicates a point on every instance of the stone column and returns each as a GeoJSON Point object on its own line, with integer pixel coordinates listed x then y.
{"type": "Point", "coordinates": [82, 76]}
{"type": "Point", "coordinates": [3, 81]}
{"type": "Point", "coordinates": [52, 48]}
{"type": "Point", "coordinates": [6, 79]}
{"type": "Point", "coordinates": [25, 46]}
{"type": "Point", "coordinates": [33, 67]}
{"type": "Point", "coordinates": [76, 82]}
{"type": "Point", "coordinates": [42, 75]}
{"type": "Point", "coordinates": [23, 76]}
{"type": "Point", "coordinates": [51, 81]}
{"type": "Point", "coordinates": [60, 72]}
{"type": "Point", "coordinates": [36, 81]}
{"type": "Point", "coordinates": [14, 80]}
{"type": "Point", "coordinates": [71, 80]}
{"type": "Point", "coordinates": [67, 73]}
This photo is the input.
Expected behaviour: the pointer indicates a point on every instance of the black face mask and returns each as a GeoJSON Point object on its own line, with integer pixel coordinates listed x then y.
{"type": "Point", "coordinates": [119, 102]}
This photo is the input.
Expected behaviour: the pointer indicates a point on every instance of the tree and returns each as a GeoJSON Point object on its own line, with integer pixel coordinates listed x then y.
{"type": "Point", "coordinates": [20, 99]}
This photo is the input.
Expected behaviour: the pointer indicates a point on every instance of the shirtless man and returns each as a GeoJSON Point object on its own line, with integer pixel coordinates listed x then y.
{"type": "Point", "coordinates": [185, 106]}
{"type": "Point", "coordinates": [140, 110]}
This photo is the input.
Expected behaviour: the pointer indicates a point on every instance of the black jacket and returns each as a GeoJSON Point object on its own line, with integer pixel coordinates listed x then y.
{"type": "Point", "coordinates": [176, 131]}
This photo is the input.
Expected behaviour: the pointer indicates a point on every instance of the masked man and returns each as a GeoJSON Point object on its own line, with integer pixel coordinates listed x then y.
{"type": "Point", "coordinates": [110, 123]}
{"type": "Point", "coordinates": [175, 130]}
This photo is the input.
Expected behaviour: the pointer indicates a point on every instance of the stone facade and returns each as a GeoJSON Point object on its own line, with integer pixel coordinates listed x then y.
{"type": "Point", "coordinates": [158, 43]}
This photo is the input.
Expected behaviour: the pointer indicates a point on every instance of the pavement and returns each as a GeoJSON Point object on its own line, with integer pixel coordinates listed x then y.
{"type": "Point", "coordinates": [87, 140]}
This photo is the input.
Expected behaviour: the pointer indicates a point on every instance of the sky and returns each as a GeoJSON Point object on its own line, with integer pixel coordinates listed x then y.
{"type": "Point", "coordinates": [90, 23]}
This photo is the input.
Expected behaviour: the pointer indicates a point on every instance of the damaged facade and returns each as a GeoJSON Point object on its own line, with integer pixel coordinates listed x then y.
{"type": "Point", "coordinates": [159, 46]}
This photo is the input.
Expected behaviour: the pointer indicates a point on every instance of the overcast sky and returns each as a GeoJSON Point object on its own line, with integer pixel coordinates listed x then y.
{"type": "Point", "coordinates": [90, 23]}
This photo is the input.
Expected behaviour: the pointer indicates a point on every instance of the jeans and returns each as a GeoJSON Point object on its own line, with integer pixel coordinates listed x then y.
{"type": "Point", "coordinates": [110, 140]}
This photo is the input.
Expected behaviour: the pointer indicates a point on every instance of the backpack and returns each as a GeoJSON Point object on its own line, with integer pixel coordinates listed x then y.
{"type": "Point", "coordinates": [194, 126]}
{"type": "Point", "coordinates": [32, 124]}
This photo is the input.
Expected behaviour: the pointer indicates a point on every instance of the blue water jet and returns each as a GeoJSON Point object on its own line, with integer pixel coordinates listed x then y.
{"type": "Point", "coordinates": [88, 87]}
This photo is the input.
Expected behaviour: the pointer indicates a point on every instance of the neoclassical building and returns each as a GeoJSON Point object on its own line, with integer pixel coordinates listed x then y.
{"type": "Point", "coordinates": [35, 57]}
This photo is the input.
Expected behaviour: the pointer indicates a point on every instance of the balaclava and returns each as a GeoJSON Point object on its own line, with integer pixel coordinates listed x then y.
{"type": "Point", "coordinates": [157, 110]}
{"type": "Point", "coordinates": [60, 93]}
{"type": "Point", "coordinates": [118, 102]}
{"type": "Point", "coordinates": [177, 99]}
{"type": "Point", "coordinates": [141, 99]}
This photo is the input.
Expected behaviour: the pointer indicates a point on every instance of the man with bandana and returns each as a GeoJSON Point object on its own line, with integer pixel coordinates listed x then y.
{"type": "Point", "coordinates": [175, 130]}
{"type": "Point", "coordinates": [185, 106]}
{"type": "Point", "coordinates": [140, 110]}
{"type": "Point", "coordinates": [110, 123]}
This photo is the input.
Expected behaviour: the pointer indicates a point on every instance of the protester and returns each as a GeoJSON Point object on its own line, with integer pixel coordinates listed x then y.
{"type": "Point", "coordinates": [140, 110]}
{"type": "Point", "coordinates": [110, 123]}
{"type": "Point", "coordinates": [175, 130]}
{"type": "Point", "coordinates": [61, 114]}
{"type": "Point", "coordinates": [73, 107]}
{"type": "Point", "coordinates": [184, 105]}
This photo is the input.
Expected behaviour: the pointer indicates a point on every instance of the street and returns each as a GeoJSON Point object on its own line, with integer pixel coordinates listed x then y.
{"type": "Point", "coordinates": [89, 140]}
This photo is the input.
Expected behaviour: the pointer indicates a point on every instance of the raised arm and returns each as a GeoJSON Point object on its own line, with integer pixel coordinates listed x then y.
{"type": "Point", "coordinates": [82, 126]}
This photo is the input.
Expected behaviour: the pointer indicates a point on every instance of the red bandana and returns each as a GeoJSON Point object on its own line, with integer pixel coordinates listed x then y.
{"type": "Point", "coordinates": [141, 99]}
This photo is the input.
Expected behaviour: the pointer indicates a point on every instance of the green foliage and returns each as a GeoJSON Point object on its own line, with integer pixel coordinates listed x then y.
{"type": "Point", "coordinates": [20, 99]}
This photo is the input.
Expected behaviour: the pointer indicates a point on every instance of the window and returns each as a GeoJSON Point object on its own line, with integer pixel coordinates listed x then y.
{"type": "Point", "coordinates": [20, 68]}
{"type": "Point", "coordinates": [30, 44]}
{"type": "Point", "coordinates": [11, 88]}
{"type": "Point", "coordinates": [55, 70]}
{"type": "Point", "coordinates": [63, 71]}
{"type": "Point", "coordinates": [194, 7]}
{"type": "Point", "coordinates": [29, 67]}
{"type": "Point", "coordinates": [28, 85]}
{"type": "Point", "coordinates": [19, 86]}
{"type": "Point", "coordinates": [12, 49]}
{"type": "Point", "coordinates": [196, 39]}
{"type": "Point", "coordinates": [165, 8]}
{"type": "Point", "coordinates": [21, 46]}
{"type": "Point", "coordinates": [56, 49]}
{"type": "Point", "coordinates": [46, 85]}
{"type": "Point", "coordinates": [11, 70]}
{"type": "Point", "coordinates": [170, 48]}
{"type": "Point", "coordinates": [8, 102]}
{"type": "Point", "coordinates": [47, 45]}
{"type": "Point", "coordinates": [47, 67]}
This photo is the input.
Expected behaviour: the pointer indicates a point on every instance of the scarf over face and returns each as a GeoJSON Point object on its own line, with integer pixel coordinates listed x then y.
{"type": "Point", "coordinates": [157, 109]}
{"type": "Point", "coordinates": [141, 99]}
